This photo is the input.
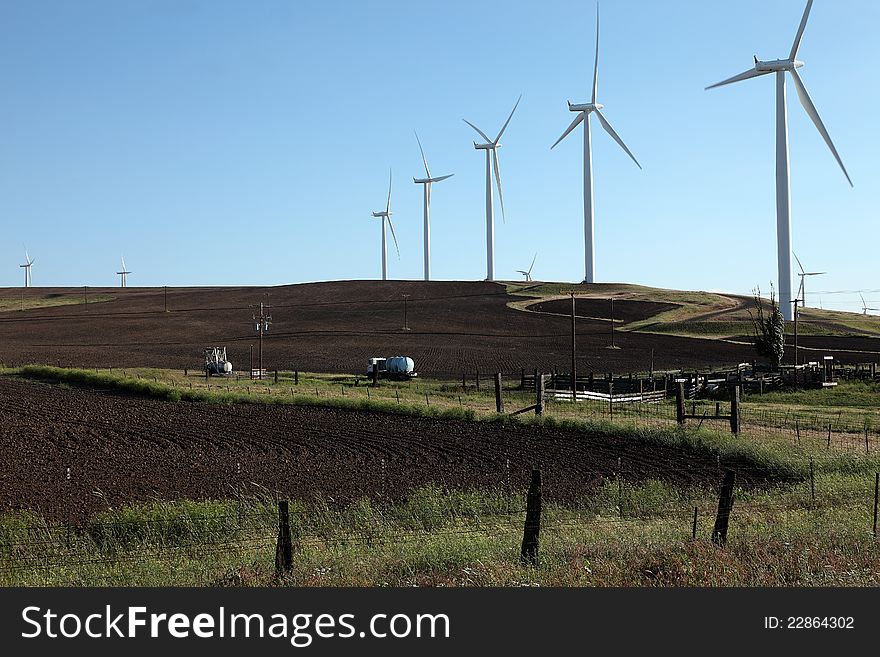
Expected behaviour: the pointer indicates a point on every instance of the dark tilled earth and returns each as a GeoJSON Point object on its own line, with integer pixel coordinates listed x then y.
{"type": "Point", "coordinates": [124, 449]}
{"type": "Point", "coordinates": [455, 327]}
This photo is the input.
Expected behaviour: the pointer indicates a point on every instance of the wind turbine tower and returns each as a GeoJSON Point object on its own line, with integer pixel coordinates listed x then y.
{"type": "Point", "coordinates": [426, 182]}
{"type": "Point", "coordinates": [386, 214]}
{"type": "Point", "coordinates": [123, 275]}
{"type": "Point", "coordinates": [27, 269]}
{"type": "Point", "coordinates": [491, 147]}
{"type": "Point", "coordinates": [783, 193]}
{"type": "Point", "coordinates": [583, 115]}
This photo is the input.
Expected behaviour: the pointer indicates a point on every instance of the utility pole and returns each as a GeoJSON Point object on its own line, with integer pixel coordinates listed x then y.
{"type": "Point", "coordinates": [405, 325]}
{"type": "Point", "coordinates": [612, 322]}
{"type": "Point", "coordinates": [261, 324]}
{"type": "Point", "coordinates": [166, 298]}
{"type": "Point", "coordinates": [86, 294]}
{"type": "Point", "coordinates": [573, 362]}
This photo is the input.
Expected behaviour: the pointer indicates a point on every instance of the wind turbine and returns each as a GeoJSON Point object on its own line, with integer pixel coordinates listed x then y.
{"type": "Point", "coordinates": [803, 276]}
{"type": "Point", "coordinates": [491, 147]}
{"type": "Point", "coordinates": [427, 182]}
{"type": "Point", "coordinates": [123, 275]}
{"type": "Point", "coordinates": [27, 269]}
{"type": "Point", "coordinates": [387, 215]}
{"type": "Point", "coordinates": [583, 115]}
{"type": "Point", "coordinates": [528, 274]}
{"type": "Point", "coordinates": [783, 193]}
{"type": "Point", "coordinates": [865, 308]}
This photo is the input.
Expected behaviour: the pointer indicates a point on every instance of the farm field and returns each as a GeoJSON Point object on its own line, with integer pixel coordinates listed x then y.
{"type": "Point", "coordinates": [177, 492]}
{"type": "Point", "coordinates": [455, 327]}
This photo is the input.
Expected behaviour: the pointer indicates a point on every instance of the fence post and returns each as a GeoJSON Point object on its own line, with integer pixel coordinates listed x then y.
{"type": "Point", "coordinates": [694, 532]}
{"type": "Point", "coordinates": [611, 399]}
{"type": "Point", "coordinates": [532, 529]}
{"type": "Point", "coordinates": [812, 481]}
{"type": "Point", "coordinates": [296, 377]}
{"type": "Point", "coordinates": [276, 376]}
{"type": "Point", "coordinates": [284, 547]}
{"type": "Point", "coordinates": [876, 491]}
{"type": "Point", "coordinates": [679, 402]}
{"type": "Point", "coordinates": [734, 410]}
{"type": "Point", "coordinates": [539, 394]}
{"type": "Point", "coordinates": [499, 402]}
{"type": "Point", "coordinates": [478, 379]}
{"type": "Point", "coordinates": [375, 374]}
{"type": "Point", "coordinates": [522, 379]}
{"type": "Point", "coordinates": [725, 504]}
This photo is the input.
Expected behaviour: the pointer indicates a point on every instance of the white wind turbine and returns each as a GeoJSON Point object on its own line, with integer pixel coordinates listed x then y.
{"type": "Point", "coordinates": [783, 194]}
{"type": "Point", "coordinates": [583, 115]}
{"type": "Point", "coordinates": [27, 269]}
{"type": "Point", "coordinates": [387, 215]}
{"type": "Point", "coordinates": [865, 307]}
{"type": "Point", "coordinates": [803, 276]}
{"type": "Point", "coordinates": [427, 182]}
{"type": "Point", "coordinates": [528, 274]}
{"type": "Point", "coordinates": [123, 275]}
{"type": "Point", "coordinates": [491, 147]}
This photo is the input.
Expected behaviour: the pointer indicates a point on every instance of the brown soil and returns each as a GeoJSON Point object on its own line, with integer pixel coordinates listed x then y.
{"type": "Point", "coordinates": [123, 449]}
{"type": "Point", "coordinates": [624, 310]}
{"type": "Point", "coordinates": [334, 327]}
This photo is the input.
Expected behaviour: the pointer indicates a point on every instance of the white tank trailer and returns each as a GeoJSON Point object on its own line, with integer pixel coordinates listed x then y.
{"type": "Point", "coordinates": [216, 363]}
{"type": "Point", "coordinates": [396, 367]}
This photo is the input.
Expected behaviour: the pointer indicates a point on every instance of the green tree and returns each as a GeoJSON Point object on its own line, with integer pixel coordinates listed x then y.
{"type": "Point", "coordinates": [769, 327]}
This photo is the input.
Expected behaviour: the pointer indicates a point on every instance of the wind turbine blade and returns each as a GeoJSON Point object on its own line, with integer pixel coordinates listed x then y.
{"type": "Point", "coordinates": [616, 137]}
{"type": "Point", "coordinates": [863, 299]}
{"type": "Point", "coordinates": [533, 263]}
{"type": "Point", "coordinates": [497, 168]}
{"type": "Point", "coordinates": [482, 134]}
{"type": "Point", "coordinates": [574, 124]}
{"type": "Point", "coordinates": [800, 32]}
{"type": "Point", "coordinates": [391, 225]}
{"type": "Point", "coordinates": [433, 180]}
{"type": "Point", "coordinates": [814, 115]}
{"type": "Point", "coordinates": [388, 204]}
{"type": "Point", "coordinates": [504, 127]}
{"type": "Point", "coordinates": [596, 65]}
{"type": "Point", "coordinates": [421, 150]}
{"type": "Point", "coordinates": [745, 75]}
{"type": "Point", "coordinates": [798, 261]}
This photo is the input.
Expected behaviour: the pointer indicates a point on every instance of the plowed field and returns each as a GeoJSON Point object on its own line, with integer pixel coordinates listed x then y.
{"type": "Point", "coordinates": [121, 449]}
{"type": "Point", "coordinates": [334, 327]}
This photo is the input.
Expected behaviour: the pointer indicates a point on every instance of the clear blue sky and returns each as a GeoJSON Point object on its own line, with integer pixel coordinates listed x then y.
{"type": "Point", "coordinates": [232, 142]}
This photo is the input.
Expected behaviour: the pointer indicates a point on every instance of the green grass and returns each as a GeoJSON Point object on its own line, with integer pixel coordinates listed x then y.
{"type": "Point", "coordinates": [621, 534]}
{"type": "Point", "coordinates": [23, 302]}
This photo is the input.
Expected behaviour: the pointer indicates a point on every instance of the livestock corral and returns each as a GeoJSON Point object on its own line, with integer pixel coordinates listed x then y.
{"type": "Point", "coordinates": [138, 469]}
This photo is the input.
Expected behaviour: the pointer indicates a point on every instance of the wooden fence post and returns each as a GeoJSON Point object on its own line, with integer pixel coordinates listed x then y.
{"type": "Point", "coordinates": [812, 480]}
{"type": "Point", "coordinates": [532, 529]}
{"type": "Point", "coordinates": [499, 402]}
{"type": "Point", "coordinates": [876, 492]}
{"type": "Point", "coordinates": [725, 504]}
{"type": "Point", "coordinates": [539, 394]}
{"type": "Point", "coordinates": [679, 402]}
{"type": "Point", "coordinates": [734, 410]}
{"type": "Point", "coordinates": [276, 376]}
{"type": "Point", "coordinates": [522, 379]}
{"type": "Point", "coordinates": [478, 379]}
{"type": "Point", "coordinates": [694, 532]}
{"type": "Point", "coordinates": [284, 546]}
{"type": "Point", "coordinates": [296, 377]}
{"type": "Point", "coordinates": [375, 375]}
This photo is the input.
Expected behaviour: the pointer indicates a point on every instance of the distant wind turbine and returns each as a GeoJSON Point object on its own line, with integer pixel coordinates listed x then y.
{"type": "Point", "coordinates": [583, 115]}
{"type": "Point", "coordinates": [783, 194]}
{"type": "Point", "coordinates": [387, 215]}
{"type": "Point", "coordinates": [27, 269]}
{"type": "Point", "coordinates": [427, 182]}
{"type": "Point", "coordinates": [123, 275]}
{"type": "Point", "coordinates": [865, 307]}
{"type": "Point", "coordinates": [803, 276]}
{"type": "Point", "coordinates": [528, 274]}
{"type": "Point", "coordinates": [491, 147]}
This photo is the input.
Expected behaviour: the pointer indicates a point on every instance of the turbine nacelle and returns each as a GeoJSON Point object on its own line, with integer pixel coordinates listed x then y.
{"type": "Point", "coordinates": [777, 65]}
{"type": "Point", "coordinates": [584, 107]}
{"type": "Point", "coordinates": [486, 147]}
{"type": "Point", "coordinates": [382, 214]}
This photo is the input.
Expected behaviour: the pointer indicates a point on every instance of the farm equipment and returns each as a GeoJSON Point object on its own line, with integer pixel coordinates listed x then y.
{"type": "Point", "coordinates": [401, 368]}
{"type": "Point", "coordinates": [216, 363]}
